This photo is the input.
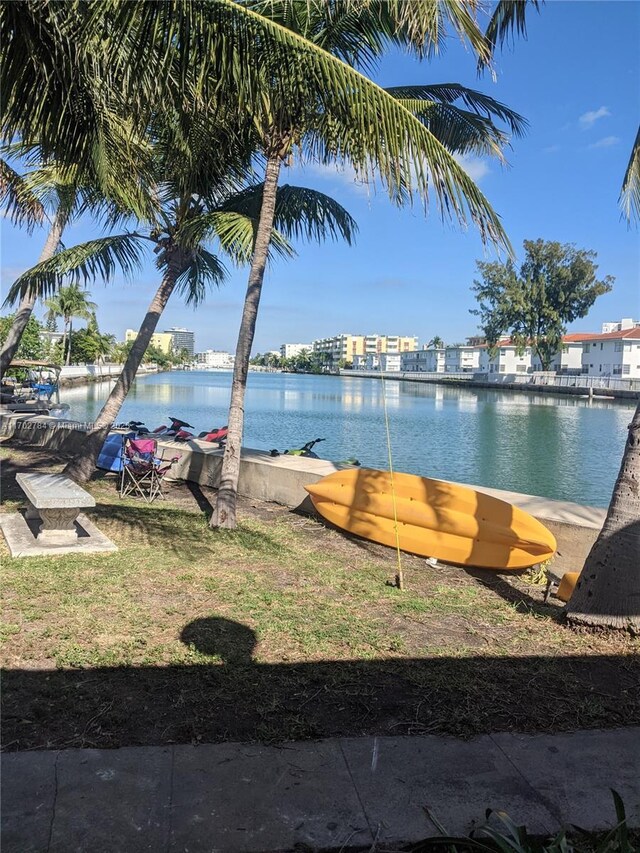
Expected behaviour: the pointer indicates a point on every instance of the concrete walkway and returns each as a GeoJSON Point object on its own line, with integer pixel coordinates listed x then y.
{"type": "Point", "coordinates": [331, 794]}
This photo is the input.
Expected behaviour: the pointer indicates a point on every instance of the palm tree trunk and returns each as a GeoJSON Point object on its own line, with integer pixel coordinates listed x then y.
{"type": "Point", "coordinates": [83, 464]}
{"type": "Point", "coordinates": [68, 359]}
{"type": "Point", "coordinates": [224, 514]}
{"type": "Point", "coordinates": [608, 590]}
{"type": "Point", "coordinates": [28, 302]}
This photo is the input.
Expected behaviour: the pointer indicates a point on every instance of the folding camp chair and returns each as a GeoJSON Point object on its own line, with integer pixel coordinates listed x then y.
{"type": "Point", "coordinates": [142, 469]}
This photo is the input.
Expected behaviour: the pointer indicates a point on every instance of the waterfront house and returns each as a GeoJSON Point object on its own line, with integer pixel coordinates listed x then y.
{"type": "Point", "coordinates": [212, 359]}
{"type": "Point", "coordinates": [568, 360]}
{"type": "Point", "coordinates": [506, 360]}
{"type": "Point", "coordinates": [612, 354]}
{"type": "Point", "coordinates": [426, 360]}
{"type": "Point", "coordinates": [462, 358]}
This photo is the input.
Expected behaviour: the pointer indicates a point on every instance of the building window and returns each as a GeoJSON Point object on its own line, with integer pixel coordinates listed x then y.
{"type": "Point", "coordinates": [626, 369]}
{"type": "Point", "coordinates": [586, 347]}
{"type": "Point", "coordinates": [503, 368]}
{"type": "Point", "coordinates": [617, 369]}
{"type": "Point", "coordinates": [601, 346]}
{"type": "Point", "coordinates": [503, 352]}
{"type": "Point", "coordinates": [618, 346]}
{"type": "Point", "coordinates": [521, 368]}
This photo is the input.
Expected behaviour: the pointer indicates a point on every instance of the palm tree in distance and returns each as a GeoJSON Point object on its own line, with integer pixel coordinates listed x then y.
{"type": "Point", "coordinates": [70, 302]}
{"type": "Point", "coordinates": [407, 143]}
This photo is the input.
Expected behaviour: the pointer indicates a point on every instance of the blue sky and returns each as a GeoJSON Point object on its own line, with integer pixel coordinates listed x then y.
{"type": "Point", "coordinates": [577, 81]}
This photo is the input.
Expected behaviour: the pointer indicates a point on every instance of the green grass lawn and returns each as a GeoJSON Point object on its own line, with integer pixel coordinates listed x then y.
{"type": "Point", "coordinates": [282, 629]}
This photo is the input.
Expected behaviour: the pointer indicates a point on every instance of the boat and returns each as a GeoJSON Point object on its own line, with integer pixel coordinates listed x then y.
{"type": "Point", "coordinates": [435, 518]}
{"type": "Point", "coordinates": [32, 387]}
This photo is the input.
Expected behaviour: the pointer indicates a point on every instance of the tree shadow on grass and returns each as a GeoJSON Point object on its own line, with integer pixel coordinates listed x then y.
{"type": "Point", "coordinates": [522, 601]}
{"type": "Point", "coordinates": [225, 695]}
{"type": "Point", "coordinates": [180, 531]}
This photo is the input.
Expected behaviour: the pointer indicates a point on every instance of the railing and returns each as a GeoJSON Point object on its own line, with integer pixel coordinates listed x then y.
{"type": "Point", "coordinates": [538, 379]}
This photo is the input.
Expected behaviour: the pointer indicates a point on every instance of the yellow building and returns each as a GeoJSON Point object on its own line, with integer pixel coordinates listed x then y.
{"type": "Point", "coordinates": [348, 346]}
{"type": "Point", "coordinates": [161, 340]}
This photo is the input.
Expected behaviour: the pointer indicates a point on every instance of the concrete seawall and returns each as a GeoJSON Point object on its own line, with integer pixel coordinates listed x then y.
{"type": "Point", "coordinates": [471, 380]}
{"type": "Point", "coordinates": [85, 374]}
{"type": "Point", "coordinates": [280, 479]}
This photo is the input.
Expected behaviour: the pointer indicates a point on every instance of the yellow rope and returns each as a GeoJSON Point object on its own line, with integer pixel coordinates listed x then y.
{"type": "Point", "coordinates": [399, 576]}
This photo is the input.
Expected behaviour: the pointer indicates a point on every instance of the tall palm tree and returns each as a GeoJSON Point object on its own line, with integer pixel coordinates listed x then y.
{"type": "Point", "coordinates": [421, 124]}
{"type": "Point", "coordinates": [200, 164]}
{"type": "Point", "coordinates": [70, 302]}
{"type": "Point", "coordinates": [607, 593]}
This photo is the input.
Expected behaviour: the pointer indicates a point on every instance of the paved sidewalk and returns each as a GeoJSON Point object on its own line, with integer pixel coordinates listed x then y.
{"type": "Point", "coordinates": [244, 798]}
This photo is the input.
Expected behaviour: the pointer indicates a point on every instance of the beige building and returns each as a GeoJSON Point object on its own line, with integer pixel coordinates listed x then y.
{"type": "Point", "coordinates": [161, 340]}
{"type": "Point", "coordinates": [347, 347]}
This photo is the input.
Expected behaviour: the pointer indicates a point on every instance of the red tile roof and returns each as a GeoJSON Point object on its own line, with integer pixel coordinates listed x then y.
{"type": "Point", "coordinates": [625, 334]}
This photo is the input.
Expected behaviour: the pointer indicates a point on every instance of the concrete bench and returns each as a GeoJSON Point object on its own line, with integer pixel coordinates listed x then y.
{"type": "Point", "coordinates": [57, 501]}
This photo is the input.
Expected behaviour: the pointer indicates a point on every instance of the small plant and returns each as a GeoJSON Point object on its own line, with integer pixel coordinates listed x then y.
{"type": "Point", "coordinates": [538, 574]}
{"type": "Point", "coordinates": [511, 838]}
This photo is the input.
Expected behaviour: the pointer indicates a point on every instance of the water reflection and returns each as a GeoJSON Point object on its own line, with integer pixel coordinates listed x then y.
{"type": "Point", "coordinates": [562, 447]}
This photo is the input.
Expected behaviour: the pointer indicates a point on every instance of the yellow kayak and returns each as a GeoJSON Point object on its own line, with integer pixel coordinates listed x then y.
{"type": "Point", "coordinates": [454, 523]}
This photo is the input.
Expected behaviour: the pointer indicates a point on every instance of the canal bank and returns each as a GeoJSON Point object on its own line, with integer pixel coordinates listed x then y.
{"type": "Point", "coordinates": [590, 387]}
{"type": "Point", "coordinates": [280, 479]}
{"type": "Point", "coordinates": [76, 375]}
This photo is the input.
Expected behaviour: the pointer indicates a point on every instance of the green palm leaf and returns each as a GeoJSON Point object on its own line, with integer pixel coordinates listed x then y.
{"type": "Point", "coordinates": [630, 194]}
{"type": "Point", "coordinates": [204, 271]}
{"type": "Point", "coordinates": [22, 206]}
{"type": "Point", "coordinates": [478, 102]}
{"type": "Point", "coordinates": [95, 258]}
{"type": "Point", "coordinates": [509, 17]}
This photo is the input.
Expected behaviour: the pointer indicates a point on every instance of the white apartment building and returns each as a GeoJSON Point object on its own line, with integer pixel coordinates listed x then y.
{"type": "Point", "coordinates": [568, 360]}
{"type": "Point", "coordinates": [292, 350]}
{"type": "Point", "coordinates": [620, 325]}
{"type": "Point", "coordinates": [386, 362]}
{"type": "Point", "coordinates": [506, 360]}
{"type": "Point", "coordinates": [347, 346]}
{"type": "Point", "coordinates": [212, 359]}
{"type": "Point", "coordinates": [462, 359]}
{"type": "Point", "coordinates": [612, 354]}
{"type": "Point", "coordinates": [423, 361]}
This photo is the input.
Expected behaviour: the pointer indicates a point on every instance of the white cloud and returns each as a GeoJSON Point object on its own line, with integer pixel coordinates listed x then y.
{"type": "Point", "coordinates": [551, 149]}
{"type": "Point", "coordinates": [476, 168]}
{"type": "Point", "coordinates": [606, 142]}
{"type": "Point", "coordinates": [588, 119]}
{"type": "Point", "coordinates": [346, 175]}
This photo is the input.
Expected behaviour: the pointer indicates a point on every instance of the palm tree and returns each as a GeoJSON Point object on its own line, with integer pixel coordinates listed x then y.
{"type": "Point", "coordinates": [607, 593]}
{"type": "Point", "coordinates": [199, 164]}
{"type": "Point", "coordinates": [436, 342]}
{"type": "Point", "coordinates": [70, 302]}
{"type": "Point", "coordinates": [419, 124]}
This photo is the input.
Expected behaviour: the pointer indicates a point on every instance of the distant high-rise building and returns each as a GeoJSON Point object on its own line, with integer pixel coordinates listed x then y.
{"type": "Point", "coordinates": [182, 339]}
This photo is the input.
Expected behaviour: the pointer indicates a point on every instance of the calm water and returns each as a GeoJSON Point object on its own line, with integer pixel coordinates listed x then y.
{"type": "Point", "coordinates": [558, 447]}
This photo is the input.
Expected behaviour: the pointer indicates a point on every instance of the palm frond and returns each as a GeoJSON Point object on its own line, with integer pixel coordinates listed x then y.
{"type": "Point", "coordinates": [22, 206]}
{"type": "Point", "coordinates": [478, 102]}
{"type": "Point", "coordinates": [460, 131]}
{"type": "Point", "coordinates": [205, 270]}
{"type": "Point", "coordinates": [307, 214]}
{"type": "Point", "coordinates": [630, 193]}
{"type": "Point", "coordinates": [509, 19]}
{"type": "Point", "coordinates": [81, 263]}
{"type": "Point", "coordinates": [234, 230]}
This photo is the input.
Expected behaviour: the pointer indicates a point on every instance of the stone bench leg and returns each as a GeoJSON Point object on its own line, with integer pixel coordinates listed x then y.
{"type": "Point", "coordinates": [31, 512]}
{"type": "Point", "coordinates": [58, 526]}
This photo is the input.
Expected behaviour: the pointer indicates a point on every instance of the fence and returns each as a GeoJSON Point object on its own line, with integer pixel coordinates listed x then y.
{"type": "Point", "coordinates": [529, 381]}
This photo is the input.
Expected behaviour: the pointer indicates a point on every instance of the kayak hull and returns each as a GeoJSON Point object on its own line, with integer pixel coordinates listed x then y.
{"type": "Point", "coordinates": [435, 518]}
